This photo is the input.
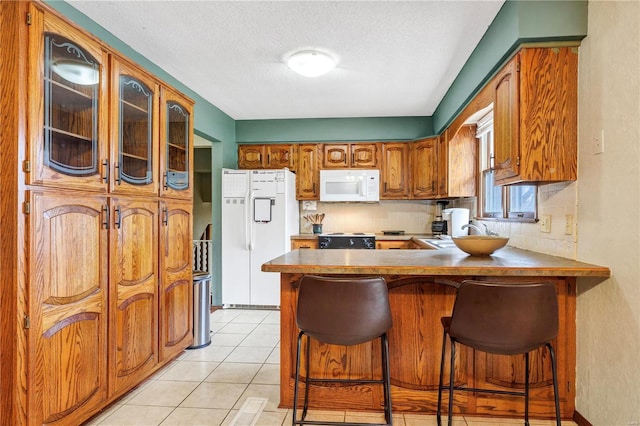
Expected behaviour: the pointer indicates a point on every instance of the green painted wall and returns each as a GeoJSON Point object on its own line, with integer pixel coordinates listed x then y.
{"type": "Point", "coordinates": [333, 129]}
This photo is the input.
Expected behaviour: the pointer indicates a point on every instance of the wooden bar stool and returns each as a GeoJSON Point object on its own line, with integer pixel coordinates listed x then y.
{"type": "Point", "coordinates": [504, 319]}
{"type": "Point", "coordinates": [346, 312]}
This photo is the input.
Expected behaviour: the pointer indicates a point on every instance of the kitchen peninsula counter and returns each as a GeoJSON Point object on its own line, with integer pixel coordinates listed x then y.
{"type": "Point", "coordinates": [422, 286]}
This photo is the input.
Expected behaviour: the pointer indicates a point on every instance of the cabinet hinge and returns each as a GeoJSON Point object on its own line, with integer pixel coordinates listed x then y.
{"type": "Point", "coordinates": [26, 207]}
{"type": "Point", "coordinates": [26, 166]}
{"type": "Point", "coordinates": [568, 386]}
{"type": "Point", "coordinates": [518, 66]}
{"type": "Point", "coordinates": [28, 18]}
{"type": "Point", "coordinates": [517, 160]}
{"type": "Point", "coordinates": [27, 321]}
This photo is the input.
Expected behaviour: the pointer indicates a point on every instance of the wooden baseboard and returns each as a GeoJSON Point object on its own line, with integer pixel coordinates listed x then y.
{"type": "Point", "coordinates": [580, 420]}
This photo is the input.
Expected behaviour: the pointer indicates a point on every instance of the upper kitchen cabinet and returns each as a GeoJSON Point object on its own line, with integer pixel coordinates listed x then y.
{"type": "Point", "coordinates": [394, 174]}
{"type": "Point", "coordinates": [535, 117]}
{"type": "Point", "coordinates": [345, 155]}
{"type": "Point", "coordinates": [68, 109]}
{"type": "Point", "coordinates": [176, 136]}
{"type": "Point", "coordinates": [134, 130]}
{"type": "Point", "coordinates": [266, 156]}
{"type": "Point", "coordinates": [424, 167]}
{"type": "Point", "coordinates": [459, 162]}
{"type": "Point", "coordinates": [308, 174]}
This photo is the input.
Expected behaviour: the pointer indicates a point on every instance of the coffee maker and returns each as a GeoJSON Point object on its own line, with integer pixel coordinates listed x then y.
{"type": "Point", "coordinates": [455, 218]}
{"type": "Point", "coordinates": [439, 226]}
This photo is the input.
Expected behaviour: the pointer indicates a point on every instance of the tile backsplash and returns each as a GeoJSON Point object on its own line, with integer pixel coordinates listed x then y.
{"type": "Point", "coordinates": [415, 216]}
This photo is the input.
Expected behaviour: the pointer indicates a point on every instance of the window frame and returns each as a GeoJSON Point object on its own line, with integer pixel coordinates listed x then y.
{"type": "Point", "coordinates": [484, 130]}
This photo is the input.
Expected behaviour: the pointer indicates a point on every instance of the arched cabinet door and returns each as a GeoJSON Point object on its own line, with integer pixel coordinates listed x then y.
{"type": "Point", "coordinates": [134, 130]}
{"type": "Point", "coordinates": [176, 136]}
{"type": "Point", "coordinates": [176, 287]}
{"type": "Point", "coordinates": [67, 373]}
{"type": "Point", "coordinates": [67, 107]}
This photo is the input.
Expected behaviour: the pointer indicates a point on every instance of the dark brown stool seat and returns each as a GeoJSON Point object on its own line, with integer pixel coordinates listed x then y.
{"type": "Point", "coordinates": [342, 311]}
{"type": "Point", "coordinates": [504, 319]}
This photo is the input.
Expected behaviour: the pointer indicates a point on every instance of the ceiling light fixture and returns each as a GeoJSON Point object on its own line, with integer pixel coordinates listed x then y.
{"type": "Point", "coordinates": [311, 63]}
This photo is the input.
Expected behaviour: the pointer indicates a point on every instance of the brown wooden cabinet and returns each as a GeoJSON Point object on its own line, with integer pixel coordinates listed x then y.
{"type": "Point", "coordinates": [176, 288]}
{"type": "Point", "coordinates": [133, 303]}
{"type": "Point", "coordinates": [535, 124]}
{"type": "Point", "coordinates": [307, 172]}
{"type": "Point", "coordinates": [395, 245]}
{"type": "Point", "coordinates": [176, 149]}
{"type": "Point", "coordinates": [424, 168]}
{"type": "Point", "coordinates": [135, 129]}
{"type": "Point", "coordinates": [66, 369]}
{"type": "Point", "coordinates": [95, 280]}
{"type": "Point", "coordinates": [394, 174]}
{"type": "Point", "coordinates": [462, 163]}
{"type": "Point", "coordinates": [267, 156]}
{"type": "Point", "coordinates": [67, 114]}
{"type": "Point", "coordinates": [307, 243]}
{"type": "Point", "coordinates": [349, 155]}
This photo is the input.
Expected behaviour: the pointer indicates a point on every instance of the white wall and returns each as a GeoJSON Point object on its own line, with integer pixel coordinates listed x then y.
{"type": "Point", "coordinates": [608, 315]}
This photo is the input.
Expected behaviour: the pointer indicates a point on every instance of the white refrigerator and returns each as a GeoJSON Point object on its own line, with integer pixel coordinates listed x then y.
{"type": "Point", "coordinates": [259, 215]}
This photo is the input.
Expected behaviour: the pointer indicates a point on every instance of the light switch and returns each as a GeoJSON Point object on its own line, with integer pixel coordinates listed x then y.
{"type": "Point", "coordinates": [545, 223]}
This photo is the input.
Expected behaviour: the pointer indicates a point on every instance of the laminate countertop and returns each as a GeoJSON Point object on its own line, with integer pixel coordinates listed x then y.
{"type": "Point", "coordinates": [505, 262]}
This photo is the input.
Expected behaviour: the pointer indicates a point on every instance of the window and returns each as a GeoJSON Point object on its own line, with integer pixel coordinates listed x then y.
{"type": "Point", "coordinates": [500, 202]}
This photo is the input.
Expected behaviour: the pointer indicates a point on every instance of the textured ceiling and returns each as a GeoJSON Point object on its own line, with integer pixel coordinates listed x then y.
{"type": "Point", "coordinates": [396, 58]}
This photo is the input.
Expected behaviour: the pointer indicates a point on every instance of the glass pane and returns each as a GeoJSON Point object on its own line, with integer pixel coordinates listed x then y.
{"type": "Point", "coordinates": [177, 146]}
{"type": "Point", "coordinates": [522, 199]}
{"type": "Point", "coordinates": [492, 196]}
{"type": "Point", "coordinates": [136, 107]}
{"type": "Point", "coordinates": [71, 81]}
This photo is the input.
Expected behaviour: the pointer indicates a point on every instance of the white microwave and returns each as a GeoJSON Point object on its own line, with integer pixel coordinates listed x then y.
{"type": "Point", "coordinates": [350, 185]}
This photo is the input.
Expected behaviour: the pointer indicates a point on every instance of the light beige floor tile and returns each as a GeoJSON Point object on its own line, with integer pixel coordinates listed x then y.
{"type": "Point", "coordinates": [272, 318]}
{"type": "Point", "coordinates": [214, 327]}
{"type": "Point", "coordinates": [196, 417]}
{"type": "Point", "coordinates": [249, 354]}
{"type": "Point", "coordinates": [214, 395]}
{"type": "Point", "coordinates": [238, 328]}
{"type": "Point", "coordinates": [366, 417]}
{"type": "Point", "coordinates": [230, 372]}
{"type": "Point", "coordinates": [274, 356]}
{"type": "Point", "coordinates": [271, 392]}
{"type": "Point", "coordinates": [269, 374]}
{"type": "Point", "coordinates": [209, 353]}
{"type": "Point", "coordinates": [163, 393]}
{"type": "Point", "coordinates": [189, 371]}
{"type": "Point", "coordinates": [227, 339]}
{"type": "Point", "coordinates": [267, 328]}
{"type": "Point", "coordinates": [224, 315]}
{"type": "Point", "coordinates": [272, 418]}
{"type": "Point", "coordinates": [137, 415]}
{"type": "Point", "coordinates": [251, 317]}
{"type": "Point", "coordinates": [261, 340]}
{"type": "Point", "coordinates": [232, 413]}
{"type": "Point", "coordinates": [535, 422]}
{"type": "Point", "coordinates": [95, 420]}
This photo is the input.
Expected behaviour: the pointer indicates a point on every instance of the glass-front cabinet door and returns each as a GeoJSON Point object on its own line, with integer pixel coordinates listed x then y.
{"type": "Point", "coordinates": [176, 134]}
{"type": "Point", "coordinates": [67, 107]}
{"type": "Point", "coordinates": [134, 136]}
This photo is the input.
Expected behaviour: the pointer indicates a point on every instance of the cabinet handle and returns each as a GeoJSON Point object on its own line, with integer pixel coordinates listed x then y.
{"type": "Point", "coordinates": [268, 158]}
{"type": "Point", "coordinates": [105, 174]}
{"type": "Point", "coordinates": [165, 216]}
{"type": "Point", "coordinates": [353, 158]}
{"type": "Point", "coordinates": [118, 217]}
{"type": "Point", "coordinates": [105, 215]}
{"type": "Point", "coordinates": [385, 187]}
{"type": "Point", "coordinates": [117, 179]}
{"type": "Point", "coordinates": [165, 181]}
{"type": "Point", "coordinates": [314, 187]}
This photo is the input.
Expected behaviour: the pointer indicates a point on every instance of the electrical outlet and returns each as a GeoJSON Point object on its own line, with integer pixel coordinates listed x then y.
{"type": "Point", "coordinates": [598, 143]}
{"type": "Point", "coordinates": [568, 224]}
{"type": "Point", "coordinates": [545, 223]}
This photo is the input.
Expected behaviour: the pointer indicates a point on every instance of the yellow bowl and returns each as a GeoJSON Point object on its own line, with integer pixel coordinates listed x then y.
{"type": "Point", "coordinates": [480, 245]}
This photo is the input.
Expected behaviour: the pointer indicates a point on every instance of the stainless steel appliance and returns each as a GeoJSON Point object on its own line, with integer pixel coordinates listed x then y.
{"type": "Point", "coordinates": [439, 225]}
{"type": "Point", "coordinates": [341, 240]}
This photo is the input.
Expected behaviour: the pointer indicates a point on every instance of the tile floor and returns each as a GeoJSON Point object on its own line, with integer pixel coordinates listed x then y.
{"type": "Point", "coordinates": [208, 386]}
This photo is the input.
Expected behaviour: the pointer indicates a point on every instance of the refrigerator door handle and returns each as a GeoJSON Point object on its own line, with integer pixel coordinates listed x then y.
{"type": "Point", "coordinates": [248, 222]}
